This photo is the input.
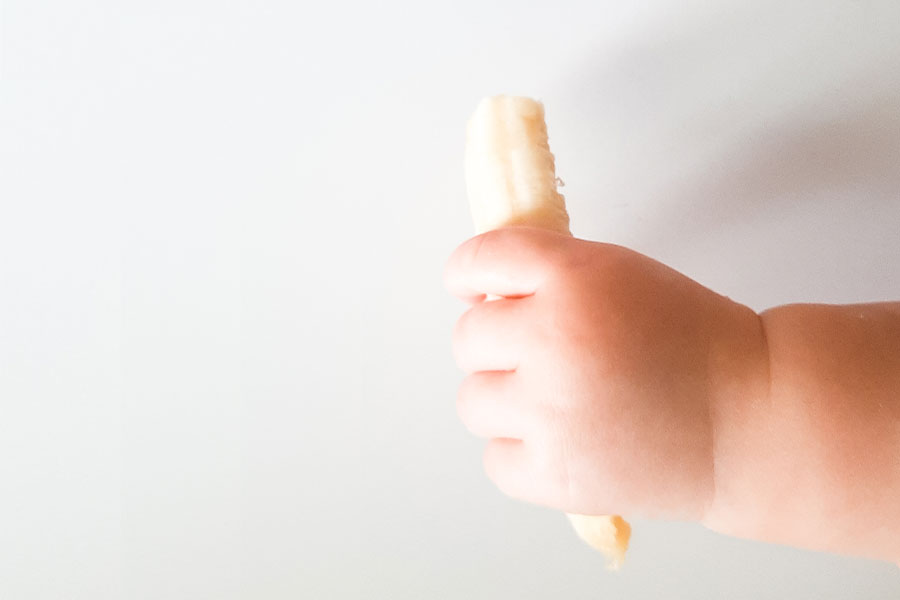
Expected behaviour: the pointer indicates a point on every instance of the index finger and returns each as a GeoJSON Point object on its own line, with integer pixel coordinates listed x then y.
{"type": "Point", "coordinates": [511, 262]}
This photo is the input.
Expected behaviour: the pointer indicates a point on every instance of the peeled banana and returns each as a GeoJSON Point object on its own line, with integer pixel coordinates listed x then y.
{"type": "Point", "coordinates": [511, 179]}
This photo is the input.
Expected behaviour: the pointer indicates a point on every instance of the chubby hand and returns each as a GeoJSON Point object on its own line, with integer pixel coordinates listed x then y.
{"type": "Point", "coordinates": [593, 371]}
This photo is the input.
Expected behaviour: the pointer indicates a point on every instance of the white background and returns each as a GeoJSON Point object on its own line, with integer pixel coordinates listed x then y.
{"type": "Point", "coordinates": [225, 366]}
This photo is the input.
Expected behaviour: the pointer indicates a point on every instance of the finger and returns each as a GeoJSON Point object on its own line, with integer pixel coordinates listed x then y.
{"type": "Point", "coordinates": [509, 262]}
{"type": "Point", "coordinates": [507, 463]}
{"type": "Point", "coordinates": [489, 336]}
{"type": "Point", "coordinates": [490, 405]}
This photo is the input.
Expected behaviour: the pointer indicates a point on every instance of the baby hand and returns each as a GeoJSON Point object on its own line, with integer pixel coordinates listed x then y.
{"type": "Point", "coordinates": [594, 374]}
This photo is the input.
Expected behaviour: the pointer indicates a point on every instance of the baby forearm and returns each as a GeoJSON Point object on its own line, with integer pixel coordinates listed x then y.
{"type": "Point", "coordinates": [814, 461]}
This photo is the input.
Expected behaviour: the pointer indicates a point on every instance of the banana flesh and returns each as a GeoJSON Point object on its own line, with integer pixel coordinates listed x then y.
{"type": "Point", "coordinates": [608, 534]}
{"type": "Point", "coordinates": [511, 180]}
{"type": "Point", "coordinates": [510, 175]}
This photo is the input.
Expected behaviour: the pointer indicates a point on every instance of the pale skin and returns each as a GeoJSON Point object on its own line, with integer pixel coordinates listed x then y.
{"type": "Point", "coordinates": [608, 383]}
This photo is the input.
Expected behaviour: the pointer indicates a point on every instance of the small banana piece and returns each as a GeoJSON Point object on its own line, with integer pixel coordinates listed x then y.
{"type": "Point", "coordinates": [510, 175]}
{"type": "Point", "coordinates": [608, 534]}
{"type": "Point", "coordinates": [511, 180]}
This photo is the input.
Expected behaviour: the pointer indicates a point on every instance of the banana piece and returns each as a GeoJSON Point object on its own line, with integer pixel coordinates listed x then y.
{"type": "Point", "coordinates": [510, 175]}
{"type": "Point", "coordinates": [608, 534]}
{"type": "Point", "coordinates": [511, 180]}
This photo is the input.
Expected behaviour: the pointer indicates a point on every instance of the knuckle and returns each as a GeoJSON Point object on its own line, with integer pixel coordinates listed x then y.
{"type": "Point", "coordinates": [515, 239]}
{"type": "Point", "coordinates": [566, 264]}
{"type": "Point", "coordinates": [461, 325]}
{"type": "Point", "coordinates": [478, 246]}
{"type": "Point", "coordinates": [460, 337]}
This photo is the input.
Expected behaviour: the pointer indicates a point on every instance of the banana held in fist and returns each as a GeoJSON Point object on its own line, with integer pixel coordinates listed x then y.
{"type": "Point", "coordinates": [511, 180]}
{"type": "Point", "coordinates": [510, 173]}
